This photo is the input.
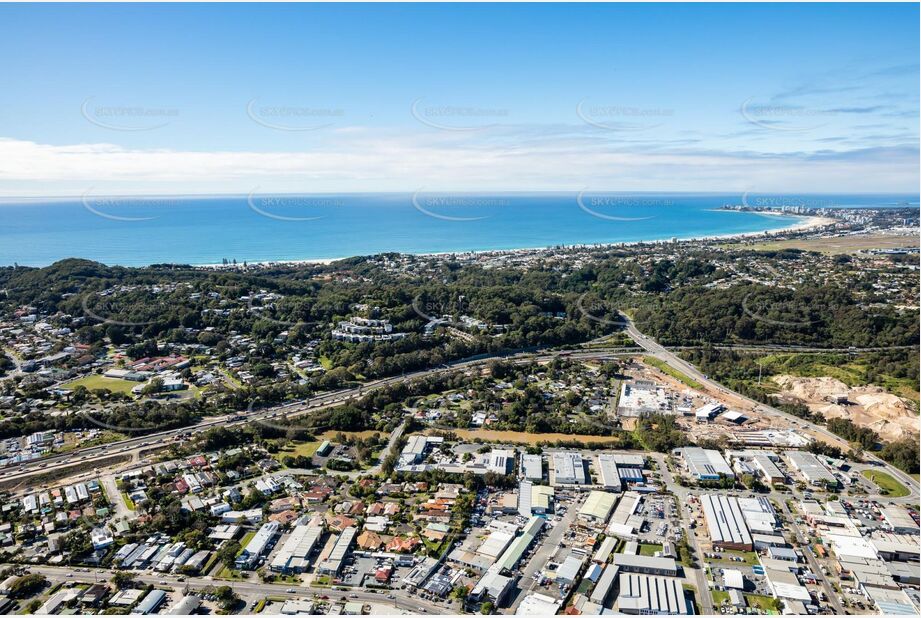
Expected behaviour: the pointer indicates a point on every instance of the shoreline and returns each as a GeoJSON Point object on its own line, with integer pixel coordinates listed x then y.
{"type": "Point", "coordinates": [802, 223]}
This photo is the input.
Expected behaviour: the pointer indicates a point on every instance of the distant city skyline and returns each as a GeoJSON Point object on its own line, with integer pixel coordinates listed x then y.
{"type": "Point", "coordinates": [208, 99]}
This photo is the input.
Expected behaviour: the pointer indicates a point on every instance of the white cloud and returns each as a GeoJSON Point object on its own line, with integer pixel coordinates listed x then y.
{"type": "Point", "coordinates": [352, 159]}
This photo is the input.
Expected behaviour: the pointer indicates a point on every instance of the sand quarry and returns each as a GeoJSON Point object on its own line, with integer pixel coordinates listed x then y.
{"type": "Point", "coordinates": [867, 406]}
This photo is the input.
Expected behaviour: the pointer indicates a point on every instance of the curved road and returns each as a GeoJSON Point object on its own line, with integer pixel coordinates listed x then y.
{"type": "Point", "coordinates": [660, 352]}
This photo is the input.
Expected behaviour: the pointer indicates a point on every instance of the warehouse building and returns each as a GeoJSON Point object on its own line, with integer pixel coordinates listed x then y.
{"type": "Point", "coordinates": [598, 506]}
{"type": "Point", "coordinates": [625, 520]}
{"type": "Point", "coordinates": [813, 470]}
{"type": "Point", "coordinates": [516, 550]}
{"type": "Point", "coordinates": [333, 564]}
{"type": "Point", "coordinates": [769, 470]}
{"type": "Point", "coordinates": [186, 606]}
{"type": "Point", "coordinates": [532, 467]}
{"type": "Point", "coordinates": [534, 499]}
{"type": "Point", "coordinates": [608, 474]}
{"type": "Point", "coordinates": [257, 545]}
{"type": "Point", "coordinates": [725, 522]}
{"type": "Point", "coordinates": [704, 464]}
{"type": "Point", "coordinates": [651, 595]}
{"type": "Point", "coordinates": [602, 591]}
{"type": "Point", "coordinates": [293, 557]}
{"type": "Point", "coordinates": [647, 565]}
{"type": "Point", "coordinates": [605, 550]}
{"type": "Point", "coordinates": [150, 603]}
{"type": "Point", "coordinates": [568, 469]}
{"type": "Point", "coordinates": [500, 461]}
{"type": "Point", "coordinates": [537, 604]}
{"type": "Point", "coordinates": [898, 520]}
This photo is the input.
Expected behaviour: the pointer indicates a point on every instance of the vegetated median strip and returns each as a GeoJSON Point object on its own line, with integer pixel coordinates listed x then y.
{"type": "Point", "coordinates": [668, 370]}
{"type": "Point", "coordinates": [886, 483]}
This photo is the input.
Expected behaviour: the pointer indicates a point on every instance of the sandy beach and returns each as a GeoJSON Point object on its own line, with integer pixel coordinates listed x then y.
{"type": "Point", "coordinates": [802, 223]}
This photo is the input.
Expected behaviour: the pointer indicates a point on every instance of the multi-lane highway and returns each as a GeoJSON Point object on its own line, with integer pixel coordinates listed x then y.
{"type": "Point", "coordinates": [398, 599]}
{"type": "Point", "coordinates": [591, 351]}
{"type": "Point", "coordinates": [131, 446]}
{"type": "Point", "coordinates": [661, 353]}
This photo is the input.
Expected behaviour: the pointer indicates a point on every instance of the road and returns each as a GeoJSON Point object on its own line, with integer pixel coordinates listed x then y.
{"type": "Point", "coordinates": [548, 546]}
{"type": "Point", "coordinates": [696, 576]}
{"type": "Point", "coordinates": [810, 559]}
{"type": "Point", "coordinates": [131, 446]}
{"type": "Point", "coordinates": [244, 588]}
{"type": "Point", "coordinates": [115, 497]}
{"type": "Point", "coordinates": [663, 354]}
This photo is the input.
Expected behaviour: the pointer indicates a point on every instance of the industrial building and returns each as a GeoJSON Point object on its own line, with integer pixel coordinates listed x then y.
{"type": "Point", "coordinates": [704, 464]}
{"type": "Point", "coordinates": [257, 545]}
{"type": "Point", "coordinates": [150, 603]}
{"type": "Point", "coordinates": [813, 470]}
{"type": "Point", "coordinates": [333, 564]}
{"type": "Point", "coordinates": [898, 520]}
{"type": "Point", "coordinates": [186, 606]}
{"type": "Point", "coordinates": [649, 595]}
{"type": "Point", "coordinates": [641, 398]}
{"type": "Point", "coordinates": [725, 522]}
{"type": "Point", "coordinates": [517, 548]}
{"type": "Point", "coordinates": [567, 469]}
{"type": "Point", "coordinates": [602, 589]}
{"type": "Point", "coordinates": [705, 413]}
{"type": "Point", "coordinates": [537, 604]}
{"type": "Point", "coordinates": [764, 463]}
{"type": "Point", "coordinates": [534, 498]}
{"type": "Point", "coordinates": [608, 474]}
{"type": "Point", "coordinates": [625, 521]}
{"type": "Point", "coordinates": [647, 565]}
{"type": "Point", "coordinates": [293, 557]}
{"type": "Point", "coordinates": [532, 467]}
{"type": "Point", "coordinates": [598, 506]}
{"type": "Point", "coordinates": [501, 461]}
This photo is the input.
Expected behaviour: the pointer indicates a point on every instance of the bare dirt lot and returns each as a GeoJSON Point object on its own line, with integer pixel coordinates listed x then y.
{"type": "Point", "coordinates": [890, 416]}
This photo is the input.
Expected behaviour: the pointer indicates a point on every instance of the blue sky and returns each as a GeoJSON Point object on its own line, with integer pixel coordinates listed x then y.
{"type": "Point", "coordinates": [206, 98]}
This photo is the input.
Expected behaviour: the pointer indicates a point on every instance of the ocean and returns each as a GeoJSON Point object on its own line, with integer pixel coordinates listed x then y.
{"type": "Point", "coordinates": [134, 231]}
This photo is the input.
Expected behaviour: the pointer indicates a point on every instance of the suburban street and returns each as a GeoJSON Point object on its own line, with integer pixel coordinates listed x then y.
{"type": "Point", "coordinates": [253, 589]}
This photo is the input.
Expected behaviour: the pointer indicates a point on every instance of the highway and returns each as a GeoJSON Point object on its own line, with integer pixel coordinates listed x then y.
{"type": "Point", "coordinates": [663, 354]}
{"type": "Point", "coordinates": [131, 446]}
{"type": "Point", "coordinates": [254, 589]}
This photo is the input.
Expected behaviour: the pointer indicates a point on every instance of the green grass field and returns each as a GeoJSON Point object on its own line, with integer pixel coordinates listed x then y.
{"type": "Point", "coordinates": [128, 501]}
{"type": "Point", "coordinates": [719, 596]}
{"type": "Point", "coordinates": [304, 449]}
{"type": "Point", "coordinates": [94, 382]}
{"type": "Point", "coordinates": [649, 549]}
{"type": "Point", "coordinates": [762, 602]}
{"type": "Point", "coordinates": [887, 484]}
{"type": "Point", "coordinates": [667, 370]}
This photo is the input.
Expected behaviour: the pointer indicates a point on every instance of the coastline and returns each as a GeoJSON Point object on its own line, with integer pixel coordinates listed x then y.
{"type": "Point", "coordinates": [802, 223]}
